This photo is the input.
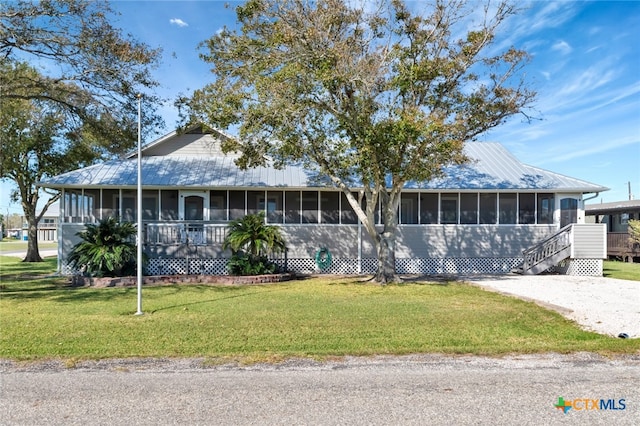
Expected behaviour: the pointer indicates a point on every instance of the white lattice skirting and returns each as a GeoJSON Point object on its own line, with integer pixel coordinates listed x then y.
{"type": "Point", "coordinates": [346, 266]}
{"type": "Point", "coordinates": [581, 267]}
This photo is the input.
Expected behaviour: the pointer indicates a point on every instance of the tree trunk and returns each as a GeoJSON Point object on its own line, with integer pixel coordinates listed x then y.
{"type": "Point", "coordinates": [386, 258]}
{"type": "Point", "coordinates": [386, 241]}
{"type": "Point", "coordinates": [33, 253]}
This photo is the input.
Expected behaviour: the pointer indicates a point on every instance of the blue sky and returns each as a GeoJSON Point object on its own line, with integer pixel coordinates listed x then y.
{"type": "Point", "coordinates": [585, 68]}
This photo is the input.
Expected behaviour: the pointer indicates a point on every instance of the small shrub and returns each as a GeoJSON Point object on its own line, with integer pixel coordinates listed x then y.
{"type": "Point", "coordinates": [107, 249]}
{"type": "Point", "coordinates": [250, 241]}
{"type": "Point", "coordinates": [244, 264]}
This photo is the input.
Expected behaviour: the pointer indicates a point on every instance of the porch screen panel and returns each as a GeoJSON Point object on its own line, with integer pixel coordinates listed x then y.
{"type": "Point", "coordinates": [218, 205]}
{"type": "Point", "coordinates": [110, 203]}
{"type": "Point", "coordinates": [545, 208]}
{"type": "Point", "coordinates": [255, 202]}
{"type": "Point", "coordinates": [236, 205]}
{"type": "Point", "coordinates": [292, 207]}
{"type": "Point", "coordinates": [448, 208]}
{"type": "Point", "coordinates": [527, 209]}
{"type": "Point", "coordinates": [73, 205]}
{"type": "Point", "coordinates": [150, 209]}
{"type": "Point", "coordinates": [129, 212]}
{"type": "Point", "coordinates": [507, 208]}
{"type": "Point", "coordinates": [428, 208]}
{"type": "Point", "coordinates": [347, 214]}
{"type": "Point", "coordinates": [309, 207]}
{"type": "Point", "coordinates": [274, 207]}
{"type": "Point", "coordinates": [376, 212]}
{"type": "Point", "coordinates": [92, 204]}
{"type": "Point", "coordinates": [330, 207]}
{"type": "Point", "coordinates": [469, 209]}
{"type": "Point", "coordinates": [488, 208]}
{"type": "Point", "coordinates": [169, 202]}
{"type": "Point", "coordinates": [409, 208]}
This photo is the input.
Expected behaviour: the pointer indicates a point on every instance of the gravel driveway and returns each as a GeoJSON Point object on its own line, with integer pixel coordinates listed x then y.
{"type": "Point", "coordinates": [604, 305]}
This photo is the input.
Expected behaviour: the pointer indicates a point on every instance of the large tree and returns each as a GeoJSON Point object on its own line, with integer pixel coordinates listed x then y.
{"type": "Point", "coordinates": [373, 96]}
{"type": "Point", "coordinates": [88, 76]}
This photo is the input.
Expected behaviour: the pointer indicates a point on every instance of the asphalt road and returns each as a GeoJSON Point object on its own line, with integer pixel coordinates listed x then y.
{"type": "Point", "coordinates": [412, 390]}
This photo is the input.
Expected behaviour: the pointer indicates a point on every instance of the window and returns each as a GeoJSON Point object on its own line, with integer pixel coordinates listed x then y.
{"type": "Point", "coordinates": [545, 208]}
{"type": "Point", "coordinates": [92, 200]}
{"type": "Point", "coordinates": [110, 203]}
{"type": "Point", "coordinates": [236, 205]}
{"type": "Point", "coordinates": [527, 209]}
{"type": "Point", "coordinates": [409, 208]}
{"type": "Point", "coordinates": [255, 202]}
{"type": "Point", "coordinates": [127, 205]}
{"type": "Point", "coordinates": [428, 208]}
{"type": "Point", "coordinates": [274, 206]}
{"type": "Point", "coordinates": [507, 208]}
{"type": "Point", "coordinates": [169, 202]}
{"type": "Point", "coordinates": [469, 208]}
{"type": "Point", "coordinates": [218, 205]}
{"type": "Point", "coordinates": [292, 207]}
{"type": "Point", "coordinates": [448, 208]}
{"type": "Point", "coordinates": [330, 207]}
{"type": "Point", "coordinates": [347, 214]}
{"type": "Point", "coordinates": [73, 205]}
{"type": "Point", "coordinates": [149, 205]}
{"type": "Point", "coordinates": [309, 207]}
{"type": "Point", "coordinates": [488, 208]}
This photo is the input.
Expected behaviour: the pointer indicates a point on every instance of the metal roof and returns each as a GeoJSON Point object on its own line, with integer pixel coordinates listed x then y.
{"type": "Point", "coordinates": [613, 207]}
{"type": "Point", "coordinates": [492, 168]}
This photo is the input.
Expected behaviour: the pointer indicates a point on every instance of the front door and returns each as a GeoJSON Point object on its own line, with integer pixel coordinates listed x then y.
{"type": "Point", "coordinates": [568, 211]}
{"type": "Point", "coordinates": [194, 205]}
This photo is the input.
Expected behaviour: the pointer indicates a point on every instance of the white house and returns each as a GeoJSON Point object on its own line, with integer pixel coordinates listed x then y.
{"type": "Point", "coordinates": [490, 216]}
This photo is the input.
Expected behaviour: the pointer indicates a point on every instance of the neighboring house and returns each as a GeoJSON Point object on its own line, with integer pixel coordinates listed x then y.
{"type": "Point", "coordinates": [48, 225]}
{"type": "Point", "coordinates": [479, 218]}
{"type": "Point", "coordinates": [616, 217]}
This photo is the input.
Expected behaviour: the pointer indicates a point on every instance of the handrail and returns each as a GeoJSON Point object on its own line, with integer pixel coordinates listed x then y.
{"type": "Point", "coordinates": [547, 248]}
{"type": "Point", "coordinates": [184, 232]}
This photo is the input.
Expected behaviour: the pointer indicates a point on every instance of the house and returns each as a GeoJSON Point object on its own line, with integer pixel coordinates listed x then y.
{"type": "Point", "coordinates": [48, 225]}
{"type": "Point", "coordinates": [616, 217]}
{"type": "Point", "coordinates": [489, 216]}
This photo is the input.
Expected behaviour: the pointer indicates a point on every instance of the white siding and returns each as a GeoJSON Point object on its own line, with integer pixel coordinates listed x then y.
{"type": "Point", "coordinates": [589, 241]}
{"type": "Point", "coordinates": [192, 145]}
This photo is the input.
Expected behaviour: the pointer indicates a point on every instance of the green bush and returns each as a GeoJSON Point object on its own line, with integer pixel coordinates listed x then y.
{"type": "Point", "coordinates": [250, 241]}
{"type": "Point", "coordinates": [242, 263]}
{"type": "Point", "coordinates": [107, 249]}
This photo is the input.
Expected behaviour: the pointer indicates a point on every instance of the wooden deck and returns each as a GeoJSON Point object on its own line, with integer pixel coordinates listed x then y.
{"type": "Point", "coordinates": [618, 245]}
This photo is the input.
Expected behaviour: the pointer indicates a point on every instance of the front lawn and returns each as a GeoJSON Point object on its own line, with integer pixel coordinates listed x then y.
{"type": "Point", "coordinates": [319, 317]}
{"type": "Point", "coordinates": [621, 270]}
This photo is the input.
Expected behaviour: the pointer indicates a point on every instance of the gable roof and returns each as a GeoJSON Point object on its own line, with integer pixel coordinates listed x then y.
{"type": "Point", "coordinates": [193, 159]}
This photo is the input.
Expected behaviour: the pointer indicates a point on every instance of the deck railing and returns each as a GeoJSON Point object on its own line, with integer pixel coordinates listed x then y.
{"type": "Point", "coordinates": [618, 244]}
{"type": "Point", "coordinates": [181, 233]}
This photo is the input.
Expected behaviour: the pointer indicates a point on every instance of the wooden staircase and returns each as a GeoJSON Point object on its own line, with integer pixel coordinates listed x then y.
{"type": "Point", "coordinates": [547, 253]}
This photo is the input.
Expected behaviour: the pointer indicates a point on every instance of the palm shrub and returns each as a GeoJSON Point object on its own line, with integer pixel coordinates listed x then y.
{"type": "Point", "coordinates": [251, 241]}
{"type": "Point", "coordinates": [107, 249]}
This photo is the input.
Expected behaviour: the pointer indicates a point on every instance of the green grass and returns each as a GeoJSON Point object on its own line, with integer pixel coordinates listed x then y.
{"type": "Point", "coordinates": [621, 270]}
{"type": "Point", "coordinates": [320, 317]}
{"type": "Point", "coordinates": [8, 245]}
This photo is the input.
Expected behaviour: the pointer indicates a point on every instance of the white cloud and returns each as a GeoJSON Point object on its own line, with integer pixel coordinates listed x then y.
{"type": "Point", "coordinates": [562, 46]}
{"type": "Point", "coordinates": [179, 22]}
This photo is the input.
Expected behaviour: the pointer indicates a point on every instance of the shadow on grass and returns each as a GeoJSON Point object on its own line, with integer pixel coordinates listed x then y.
{"type": "Point", "coordinates": [217, 299]}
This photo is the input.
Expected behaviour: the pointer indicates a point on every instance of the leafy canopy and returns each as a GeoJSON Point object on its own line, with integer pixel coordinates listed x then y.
{"type": "Point", "coordinates": [87, 68]}
{"type": "Point", "coordinates": [372, 95]}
